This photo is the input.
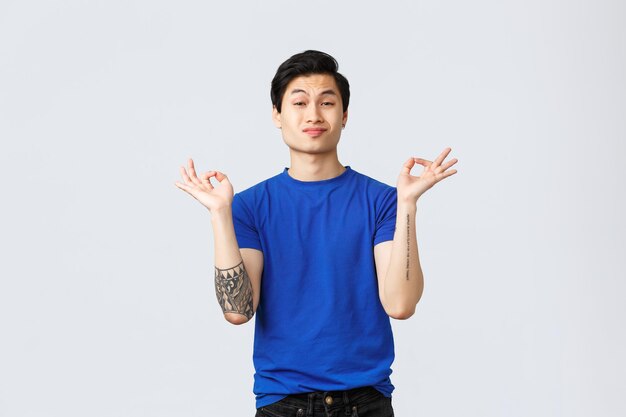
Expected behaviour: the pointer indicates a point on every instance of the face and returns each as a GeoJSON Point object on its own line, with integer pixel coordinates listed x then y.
{"type": "Point", "coordinates": [312, 114]}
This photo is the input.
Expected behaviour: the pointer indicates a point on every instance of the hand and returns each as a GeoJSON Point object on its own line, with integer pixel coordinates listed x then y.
{"type": "Point", "coordinates": [202, 190]}
{"type": "Point", "coordinates": [410, 188]}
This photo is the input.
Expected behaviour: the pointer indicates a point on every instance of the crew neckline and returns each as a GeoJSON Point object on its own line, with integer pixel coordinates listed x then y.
{"type": "Point", "coordinates": [285, 175]}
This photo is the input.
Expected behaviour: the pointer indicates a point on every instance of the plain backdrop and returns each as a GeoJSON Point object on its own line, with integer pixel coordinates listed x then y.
{"type": "Point", "coordinates": [107, 304]}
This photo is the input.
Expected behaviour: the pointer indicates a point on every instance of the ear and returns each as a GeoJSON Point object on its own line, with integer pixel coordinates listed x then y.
{"type": "Point", "coordinates": [276, 117]}
{"type": "Point", "coordinates": [344, 119]}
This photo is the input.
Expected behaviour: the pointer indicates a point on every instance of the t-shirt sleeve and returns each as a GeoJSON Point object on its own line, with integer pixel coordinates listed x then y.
{"type": "Point", "coordinates": [386, 216]}
{"type": "Point", "coordinates": [245, 229]}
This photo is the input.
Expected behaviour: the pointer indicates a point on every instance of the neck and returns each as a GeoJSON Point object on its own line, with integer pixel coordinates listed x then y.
{"type": "Point", "coordinates": [315, 167]}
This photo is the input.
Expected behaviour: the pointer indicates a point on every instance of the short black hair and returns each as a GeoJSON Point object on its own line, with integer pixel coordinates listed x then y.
{"type": "Point", "coordinates": [307, 63]}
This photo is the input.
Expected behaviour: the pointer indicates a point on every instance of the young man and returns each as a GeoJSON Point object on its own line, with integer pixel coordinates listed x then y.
{"type": "Point", "coordinates": [322, 253]}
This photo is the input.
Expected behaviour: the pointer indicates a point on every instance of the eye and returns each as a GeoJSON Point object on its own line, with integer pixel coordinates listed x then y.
{"type": "Point", "coordinates": [299, 103]}
{"type": "Point", "coordinates": [328, 103]}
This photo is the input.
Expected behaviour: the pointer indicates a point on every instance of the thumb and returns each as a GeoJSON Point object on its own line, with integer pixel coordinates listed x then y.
{"type": "Point", "coordinates": [220, 176]}
{"type": "Point", "coordinates": [406, 167]}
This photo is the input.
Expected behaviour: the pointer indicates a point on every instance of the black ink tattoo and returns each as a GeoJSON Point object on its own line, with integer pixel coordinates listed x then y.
{"type": "Point", "coordinates": [234, 290]}
{"type": "Point", "coordinates": [408, 246]}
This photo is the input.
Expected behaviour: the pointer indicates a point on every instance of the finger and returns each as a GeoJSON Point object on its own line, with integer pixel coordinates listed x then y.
{"type": "Point", "coordinates": [441, 157]}
{"type": "Point", "coordinates": [447, 174]}
{"type": "Point", "coordinates": [447, 165]}
{"type": "Point", "coordinates": [423, 162]}
{"type": "Point", "coordinates": [220, 176]}
{"type": "Point", "coordinates": [206, 179]}
{"type": "Point", "coordinates": [406, 167]}
{"type": "Point", "coordinates": [192, 172]}
{"type": "Point", "coordinates": [183, 187]}
{"type": "Point", "coordinates": [183, 174]}
{"type": "Point", "coordinates": [189, 189]}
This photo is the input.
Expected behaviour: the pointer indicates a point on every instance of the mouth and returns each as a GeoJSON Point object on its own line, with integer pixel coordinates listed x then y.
{"type": "Point", "coordinates": [314, 131]}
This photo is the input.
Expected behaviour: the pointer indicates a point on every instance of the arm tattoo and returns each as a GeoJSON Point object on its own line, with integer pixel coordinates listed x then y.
{"type": "Point", "coordinates": [408, 246]}
{"type": "Point", "coordinates": [234, 290]}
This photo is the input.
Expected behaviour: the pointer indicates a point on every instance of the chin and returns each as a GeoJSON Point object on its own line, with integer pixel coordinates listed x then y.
{"type": "Point", "coordinates": [317, 147]}
{"type": "Point", "coordinates": [313, 150]}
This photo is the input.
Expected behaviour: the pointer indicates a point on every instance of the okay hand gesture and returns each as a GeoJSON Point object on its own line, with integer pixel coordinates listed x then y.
{"type": "Point", "coordinates": [213, 198]}
{"type": "Point", "coordinates": [410, 187]}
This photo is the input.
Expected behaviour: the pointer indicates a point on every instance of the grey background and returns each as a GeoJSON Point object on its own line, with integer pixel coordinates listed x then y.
{"type": "Point", "coordinates": [107, 305]}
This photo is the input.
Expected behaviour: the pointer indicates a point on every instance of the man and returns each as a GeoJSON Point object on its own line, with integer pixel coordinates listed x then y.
{"type": "Point", "coordinates": [322, 253]}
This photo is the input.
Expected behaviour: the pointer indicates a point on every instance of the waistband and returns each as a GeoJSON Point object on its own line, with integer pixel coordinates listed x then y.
{"type": "Point", "coordinates": [312, 403]}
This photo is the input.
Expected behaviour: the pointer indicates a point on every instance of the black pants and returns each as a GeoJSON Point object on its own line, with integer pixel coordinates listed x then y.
{"type": "Point", "coordinates": [358, 402]}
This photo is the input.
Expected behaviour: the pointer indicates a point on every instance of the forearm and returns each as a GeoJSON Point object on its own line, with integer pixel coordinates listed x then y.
{"type": "Point", "coordinates": [232, 283]}
{"type": "Point", "coordinates": [404, 281]}
{"type": "Point", "coordinates": [225, 242]}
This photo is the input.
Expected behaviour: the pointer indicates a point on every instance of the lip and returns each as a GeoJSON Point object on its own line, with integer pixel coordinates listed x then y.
{"type": "Point", "coordinates": [314, 131]}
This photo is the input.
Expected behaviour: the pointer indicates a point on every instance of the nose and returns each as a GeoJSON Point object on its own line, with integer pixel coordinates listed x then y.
{"type": "Point", "coordinates": [313, 114]}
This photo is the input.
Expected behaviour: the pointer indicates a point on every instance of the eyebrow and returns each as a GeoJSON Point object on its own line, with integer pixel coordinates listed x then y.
{"type": "Point", "coordinates": [325, 92]}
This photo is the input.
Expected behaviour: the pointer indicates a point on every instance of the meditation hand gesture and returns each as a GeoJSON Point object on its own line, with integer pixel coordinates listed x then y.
{"type": "Point", "coordinates": [410, 187]}
{"type": "Point", "coordinates": [213, 198]}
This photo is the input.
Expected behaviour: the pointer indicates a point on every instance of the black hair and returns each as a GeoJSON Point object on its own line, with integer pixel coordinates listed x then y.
{"type": "Point", "coordinates": [307, 63]}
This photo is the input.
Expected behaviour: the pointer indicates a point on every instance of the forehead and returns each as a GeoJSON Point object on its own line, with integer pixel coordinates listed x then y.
{"type": "Point", "coordinates": [312, 84]}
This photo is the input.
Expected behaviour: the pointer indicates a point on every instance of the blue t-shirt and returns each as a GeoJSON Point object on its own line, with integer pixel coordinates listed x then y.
{"type": "Point", "coordinates": [320, 325]}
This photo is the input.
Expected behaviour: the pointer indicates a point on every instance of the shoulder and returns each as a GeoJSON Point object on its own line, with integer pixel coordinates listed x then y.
{"type": "Point", "coordinates": [249, 202]}
{"type": "Point", "coordinates": [375, 189]}
{"type": "Point", "coordinates": [256, 192]}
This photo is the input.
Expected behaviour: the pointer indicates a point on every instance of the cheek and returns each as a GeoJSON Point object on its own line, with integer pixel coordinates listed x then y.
{"type": "Point", "coordinates": [338, 116]}
{"type": "Point", "coordinates": [289, 120]}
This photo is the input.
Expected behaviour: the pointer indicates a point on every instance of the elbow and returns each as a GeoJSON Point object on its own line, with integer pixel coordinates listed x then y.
{"type": "Point", "coordinates": [401, 314]}
{"type": "Point", "coordinates": [236, 318]}
{"type": "Point", "coordinates": [402, 309]}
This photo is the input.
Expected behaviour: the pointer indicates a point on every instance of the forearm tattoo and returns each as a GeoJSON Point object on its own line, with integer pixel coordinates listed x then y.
{"type": "Point", "coordinates": [234, 290]}
{"type": "Point", "coordinates": [408, 245]}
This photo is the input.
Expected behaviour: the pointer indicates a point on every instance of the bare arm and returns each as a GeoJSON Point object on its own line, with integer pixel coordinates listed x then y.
{"type": "Point", "coordinates": [237, 271]}
{"type": "Point", "coordinates": [400, 278]}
